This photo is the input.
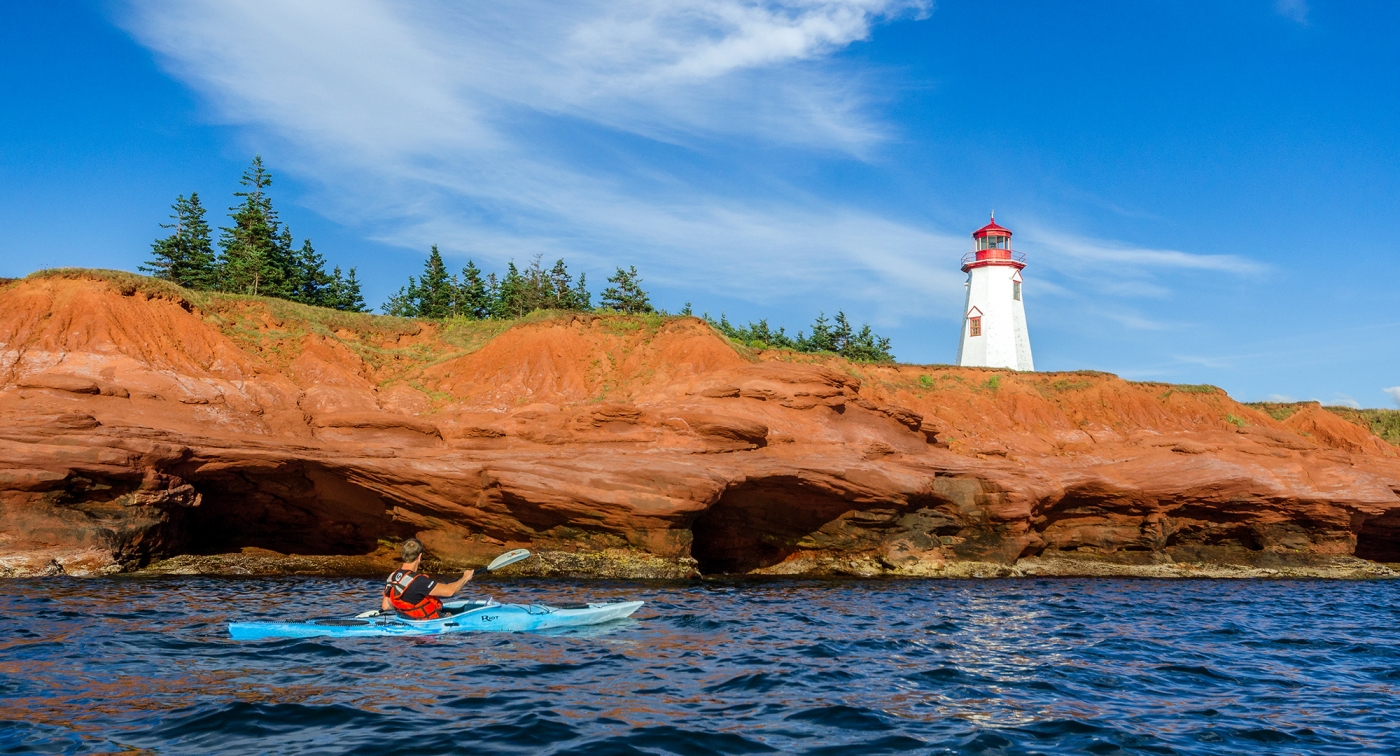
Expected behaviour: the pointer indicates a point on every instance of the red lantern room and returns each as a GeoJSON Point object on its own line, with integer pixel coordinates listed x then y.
{"type": "Point", "coordinates": [991, 245]}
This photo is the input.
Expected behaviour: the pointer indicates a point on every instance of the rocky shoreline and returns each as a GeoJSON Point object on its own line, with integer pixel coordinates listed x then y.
{"type": "Point", "coordinates": [624, 566]}
{"type": "Point", "coordinates": [149, 430]}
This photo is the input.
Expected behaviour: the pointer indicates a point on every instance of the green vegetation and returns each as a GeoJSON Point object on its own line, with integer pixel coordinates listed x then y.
{"type": "Point", "coordinates": [1382, 422]}
{"type": "Point", "coordinates": [439, 294]}
{"type": "Point", "coordinates": [860, 346]}
{"type": "Point", "coordinates": [625, 294]}
{"type": "Point", "coordinates": [1065, 384]}
{"type": "Point", "coordinates": [1277, 410]}
{"type": "Point", "coordinates": [993, 383]}
{"type": "Point", "coordinates": [926, 381]}
{"type": "Point", "coordinates": [1235, 420]}
{"type": "Point", "coordinates": [1189, 388]}
{"type": "Point", "coordinates": [257, 253]}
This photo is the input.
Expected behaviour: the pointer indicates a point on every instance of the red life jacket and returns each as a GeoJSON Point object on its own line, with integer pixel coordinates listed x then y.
{"type": "Point", "coordinates": [394, 588]}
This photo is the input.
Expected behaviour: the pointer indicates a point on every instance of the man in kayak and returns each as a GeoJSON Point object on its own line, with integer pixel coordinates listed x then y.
{"type": "Point", "coordinates": [415, 595]}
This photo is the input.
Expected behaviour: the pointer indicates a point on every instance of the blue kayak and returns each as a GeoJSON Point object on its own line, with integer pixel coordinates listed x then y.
{"type": "Point", "coordinates": [466, 617]}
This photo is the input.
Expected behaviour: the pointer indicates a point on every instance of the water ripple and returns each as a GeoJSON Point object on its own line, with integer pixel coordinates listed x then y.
{"type": "Point", "coordinates": [771, 666]}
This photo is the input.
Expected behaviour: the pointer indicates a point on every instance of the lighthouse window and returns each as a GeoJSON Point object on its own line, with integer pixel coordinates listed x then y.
{"type": "Point", "coordinates": [1016, 290]}
{"type": "Point", "coordinates": [974, 326]}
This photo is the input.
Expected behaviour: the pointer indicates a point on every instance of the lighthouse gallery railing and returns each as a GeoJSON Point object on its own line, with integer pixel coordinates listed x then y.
{"type": "Point", "coordinates": [994, 255]}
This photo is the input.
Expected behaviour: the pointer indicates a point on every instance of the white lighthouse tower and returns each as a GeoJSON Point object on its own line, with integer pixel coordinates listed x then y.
{"type": "Point", "coordinates": [994, 318]}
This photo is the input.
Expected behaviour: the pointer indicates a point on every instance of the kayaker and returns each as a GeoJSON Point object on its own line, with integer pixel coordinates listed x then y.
{"type": "Point", "coordinates": [413, 594]}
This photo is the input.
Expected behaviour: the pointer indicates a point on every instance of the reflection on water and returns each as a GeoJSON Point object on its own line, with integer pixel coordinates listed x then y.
{"type": "Point", "coordinates": [1068, 666]}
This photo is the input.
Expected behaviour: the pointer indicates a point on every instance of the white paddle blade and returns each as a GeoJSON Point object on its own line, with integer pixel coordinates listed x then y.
{"type": "Point", "coordinates": [510, 557]}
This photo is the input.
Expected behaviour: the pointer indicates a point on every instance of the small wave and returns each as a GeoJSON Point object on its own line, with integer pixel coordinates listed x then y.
{"type": "Point", "coordinates": [754, 683]}
{"type": "Point", "coordinates": [944, 675]}
{"type": "Point", "coordinates": [886, 744]}
{"type": "Point", "coordinates": [533, 729]}
{"type": "Point", "coordinates": [697, 622]}
{"type": "Point", "coordinates": [819, 651]}
{"type": "Point", "coordinates": [1059, 727]}
{"type": "Point", "coordinates": [1195, 671]}
{"type": "Point", "coordinates": [221, 727]}
{"type": "Point", "coordinates": [842, 716]}
{"type": "Point", "coordinates": [1265, 735]}
{"type": "Point", "coordinates": [673, 739]}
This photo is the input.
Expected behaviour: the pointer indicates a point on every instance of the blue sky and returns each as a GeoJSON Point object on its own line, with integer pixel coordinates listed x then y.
{"type": "Point", "coordinates": [1206, 191]}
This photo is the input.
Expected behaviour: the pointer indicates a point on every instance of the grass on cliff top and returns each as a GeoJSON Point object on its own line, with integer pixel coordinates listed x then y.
{"type": "Point", "coordinates": [245, 319]}
{"type": "Point", "coordinates": [126, 283]}
{"type": "Point", "coordinates": [1382, 422]}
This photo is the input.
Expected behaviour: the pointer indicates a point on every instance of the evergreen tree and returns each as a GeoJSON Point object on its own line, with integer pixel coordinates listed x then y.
{"type": "Point", "coordinates": [864, 345]}
{"type": "Point", "coordinates": [565, 295]}
{"type": "Point", "coordinates": [309, 283]}
{"type": "Point", "coordinates": [517, 293]}
{"type": "Point", "coordinates": [253, 260]}
{"type": "Point", "coordinates": [436, 289]}
{"type": "Point", "coordinates": [822, 338]}
{"type": "Point", "coordinates": [350, 297]}
{"type": "Point", "coordinates": [186, 257]}
{"type": "Point", "coordinates": [473, 300]}
{"type": "Point", "coordinates": [493, 296]}
{"type": "Point", "coordinates": [403, 303]}
{"type": "Point", "coordinates": [582, 300]}
{"type": "Point", "coordinates": [344, 293]}
{"type": "Point", "coordinates": [626, 295]}
{"type": "Point", "coordinates": [510, 295]}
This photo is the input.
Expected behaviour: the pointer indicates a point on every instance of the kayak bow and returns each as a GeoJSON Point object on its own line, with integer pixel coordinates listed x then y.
{"type": "Point", "coordinates": [468, 616]}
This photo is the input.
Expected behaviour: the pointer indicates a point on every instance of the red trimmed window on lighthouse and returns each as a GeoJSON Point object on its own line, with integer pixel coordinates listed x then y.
{"type": "Point", "coordinates": [974, 325]}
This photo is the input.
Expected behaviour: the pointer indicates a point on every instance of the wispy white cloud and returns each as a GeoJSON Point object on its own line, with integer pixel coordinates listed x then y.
{"type": "Point", "coordinates": [1394, 392]}
{"type": "Point", "coordinates": [500, 131]}
{"type": "Point", "coordinates": [1069, 250]}
{"type": "Point", "coordinates": [1293, 10]}
{"type": "Point", "coordinates": [1343, 400]}
{"type": "Point", "coordinates": [1283, 398]}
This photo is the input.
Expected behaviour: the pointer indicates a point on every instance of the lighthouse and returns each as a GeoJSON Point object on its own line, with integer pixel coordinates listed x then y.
{"type": "Point", "coordinates": [994, 317]}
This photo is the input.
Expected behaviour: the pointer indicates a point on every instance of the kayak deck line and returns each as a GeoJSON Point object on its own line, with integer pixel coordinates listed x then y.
{"type": "Point", "coordinates": [469, 616]}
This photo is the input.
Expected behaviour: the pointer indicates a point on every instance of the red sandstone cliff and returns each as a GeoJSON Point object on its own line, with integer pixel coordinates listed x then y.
{"type": "Point", "coordinates": [138, 421]}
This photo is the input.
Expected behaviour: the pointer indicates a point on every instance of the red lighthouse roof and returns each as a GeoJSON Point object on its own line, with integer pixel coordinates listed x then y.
{"type": "Point", "coordinates": [990, 229]}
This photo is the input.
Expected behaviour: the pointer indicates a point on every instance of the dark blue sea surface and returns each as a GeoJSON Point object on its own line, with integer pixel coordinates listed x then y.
{"type": "Point", "coordinates": [990, 667]}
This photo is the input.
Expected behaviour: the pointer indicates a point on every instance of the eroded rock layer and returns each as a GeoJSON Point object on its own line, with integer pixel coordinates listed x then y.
{"type": "Point", "coordinates": [140, 422]}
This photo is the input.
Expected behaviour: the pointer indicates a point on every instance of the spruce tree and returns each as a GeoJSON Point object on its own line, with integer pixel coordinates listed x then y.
{"type": "Point", "coordinates": [626, 295]}
{"type": "Point", "coordinates": [309, 282]}
{"type": "Point", "coordinates": [251, 247]}
{"type": "Point", "coordinates": [821, 339]}
{"type": "Point", "coordinates": [403, 303]}
{"type": "Point", "coordinates": [343, 293]}
{"type": "Point", "coordinates": [436, 290]}
{"type": "Point", "coordinates": [565, 295]}
{"type": "Point", "coordinates": [472, 298]}
{"type": "Point", "coordinates": [510, 295]}
{"type": "Point", "coordinates": [582, 300]}
{"type": "Point", "coordinates": [493, 296]}
{"type": "Point", "coordinates": [186, 257]}
{"type": "Point", "coordinates": [350, 297]}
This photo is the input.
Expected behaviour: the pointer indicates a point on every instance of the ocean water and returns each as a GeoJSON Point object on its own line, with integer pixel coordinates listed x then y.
{"type": "Point", "coordinates": [794, 666]}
